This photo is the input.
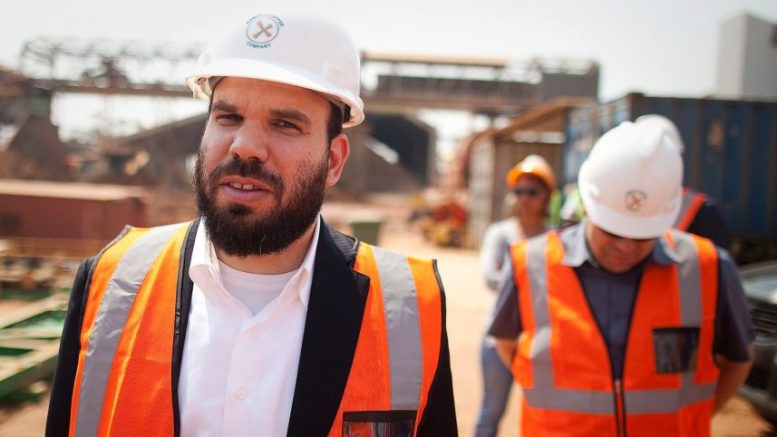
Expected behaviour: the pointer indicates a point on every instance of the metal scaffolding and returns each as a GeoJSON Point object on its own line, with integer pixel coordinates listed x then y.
{"type": "Point", "coordinates": [484, 85]}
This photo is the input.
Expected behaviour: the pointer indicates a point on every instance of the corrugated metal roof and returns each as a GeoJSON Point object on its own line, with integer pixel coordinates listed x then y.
{"type": "Point", "coordinates": [68, 190]}
{"type": "Point", "coordinates": [534, 117]}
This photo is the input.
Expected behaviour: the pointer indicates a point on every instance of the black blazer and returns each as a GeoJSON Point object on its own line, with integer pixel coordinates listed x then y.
{"type": "Point", "coordinates": [337, 298]}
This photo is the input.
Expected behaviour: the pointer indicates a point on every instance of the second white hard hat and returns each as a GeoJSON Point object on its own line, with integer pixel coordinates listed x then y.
{"type": "Point", "coordinates": [664, 123]}
{"type": "Point", "coordinates": [631, 183]}
{"type": "Point", "coordinates": [295, 49]}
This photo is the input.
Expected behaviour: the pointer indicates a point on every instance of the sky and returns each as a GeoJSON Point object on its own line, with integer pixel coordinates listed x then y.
{"type": "Point", "coordinates": [659, 47]}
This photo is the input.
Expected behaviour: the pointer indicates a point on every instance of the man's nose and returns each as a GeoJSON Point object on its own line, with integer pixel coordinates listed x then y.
{"type": "Point", "coordinates": [250, 142]}
{"type": "Point", "coordinates": [625, 245]}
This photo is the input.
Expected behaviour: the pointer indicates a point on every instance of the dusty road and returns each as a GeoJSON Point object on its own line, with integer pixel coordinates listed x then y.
{"type": "Point", "coordinates": [467, 300]}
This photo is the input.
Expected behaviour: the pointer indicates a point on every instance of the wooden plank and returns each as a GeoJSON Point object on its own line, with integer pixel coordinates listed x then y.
{"type": "Point", "coordinates": [30, 353]}
{"type": "Point", "coordinates": [24, 333]}
{"type": "Point", "coordinates": [24, 343]}
{"type": "Point", "coordinates": [57, 302]}
{"type": "Point", "coordinates": [25, 369]}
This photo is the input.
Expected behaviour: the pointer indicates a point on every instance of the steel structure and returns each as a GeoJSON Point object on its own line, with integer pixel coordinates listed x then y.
{"type": "Point", "coordinates": [108, 66]}
{"type": "Point", "coordinates": [391, 82]}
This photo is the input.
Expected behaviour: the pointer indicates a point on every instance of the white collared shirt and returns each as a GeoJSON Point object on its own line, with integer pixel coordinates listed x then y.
{"type": "Point", "coordinates": [239, 369]}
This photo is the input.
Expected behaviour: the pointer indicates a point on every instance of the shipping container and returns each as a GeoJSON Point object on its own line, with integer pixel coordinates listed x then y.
{"type": "Point", "coordinates": [68, 218]}
{"type": "Point", "coordinates": [730, 152]}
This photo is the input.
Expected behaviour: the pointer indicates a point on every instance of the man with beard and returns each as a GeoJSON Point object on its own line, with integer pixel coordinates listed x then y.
{"type": "Point", "coordinates": [257, 318]}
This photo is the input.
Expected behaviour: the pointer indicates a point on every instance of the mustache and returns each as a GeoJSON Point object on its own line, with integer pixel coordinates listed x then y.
{"type": "Point", "coordinates": [247, 169]}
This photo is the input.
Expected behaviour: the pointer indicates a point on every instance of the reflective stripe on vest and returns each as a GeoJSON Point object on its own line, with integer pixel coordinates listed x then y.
{"type": "Point", "coordinates": [398, 349]}
{"type": "Point", "coordinates": [552, 386]}
{"type": "Point", "coordinates": [112, 314]}
{"type": "Point", "coordinates": [691, 203]}
{"type": "Point", "coordinates": [404, 334]}
{"type": "Point", "coordinates": [123, 382]}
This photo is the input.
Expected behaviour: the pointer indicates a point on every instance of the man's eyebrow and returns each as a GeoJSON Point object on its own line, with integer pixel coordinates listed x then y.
{"type": "Point", "coordinates": [291, 114]}
{"type": "Point", "coordinates": [220, 105]}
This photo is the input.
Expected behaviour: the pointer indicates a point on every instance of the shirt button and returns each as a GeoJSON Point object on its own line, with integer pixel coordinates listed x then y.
{"type": "Point", "coordinates": [241, 394]}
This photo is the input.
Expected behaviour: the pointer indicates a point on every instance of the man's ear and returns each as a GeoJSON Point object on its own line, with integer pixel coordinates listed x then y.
{"type": "Point", "coordinates": [339, 149]}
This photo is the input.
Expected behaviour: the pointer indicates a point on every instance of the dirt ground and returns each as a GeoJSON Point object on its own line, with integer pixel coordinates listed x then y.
{"type": "Point", "coordinates": [467, 301]}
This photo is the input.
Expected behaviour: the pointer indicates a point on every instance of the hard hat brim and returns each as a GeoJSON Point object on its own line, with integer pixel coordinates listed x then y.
{"type": "Point", "coordinates": [516, 174]}
{"type": "Point", "coordinates": [626, 225]}
{"type": "Point", "coordinates": [275, 73]}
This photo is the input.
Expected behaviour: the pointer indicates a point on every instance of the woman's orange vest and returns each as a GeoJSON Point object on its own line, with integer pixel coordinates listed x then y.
{"type": "Point", "coordinates": [563, 364]}
{"type": "Point", "coordinates": [123, 384]}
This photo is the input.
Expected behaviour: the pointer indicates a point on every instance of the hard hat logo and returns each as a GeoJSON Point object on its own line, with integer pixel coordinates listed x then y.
{"type": "Point", "coordinates": [262, 29]}
{"type": "Point", "coordinates": [635, 200]}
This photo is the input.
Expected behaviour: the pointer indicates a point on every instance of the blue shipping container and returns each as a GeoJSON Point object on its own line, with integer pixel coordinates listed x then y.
{"type": "Point", "coordinates": [730, 151]}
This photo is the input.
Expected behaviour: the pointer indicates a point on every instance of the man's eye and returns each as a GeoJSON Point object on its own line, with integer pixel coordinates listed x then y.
{"type": "Point", "coordinates": [283, 124]}
{"type": "Point", "coordinates": [228, 118]}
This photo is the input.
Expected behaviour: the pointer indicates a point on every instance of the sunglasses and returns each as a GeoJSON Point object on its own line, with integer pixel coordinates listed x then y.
{"type": "Point", "coordinates": [530, 192]}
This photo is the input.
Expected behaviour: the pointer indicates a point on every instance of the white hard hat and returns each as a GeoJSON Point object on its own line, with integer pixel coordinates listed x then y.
{"type": "Point", "coordinates": [631, 183]}
{"type": "Point", "coordinates": [666, 124]}
{"type": "Point", "coordinates": [295, 49]}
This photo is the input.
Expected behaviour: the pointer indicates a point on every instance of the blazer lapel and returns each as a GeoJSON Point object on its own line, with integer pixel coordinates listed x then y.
{"type": "Point", "coordinates": [337, 299]}
{"type": "Point", "coordinates": [182, 306]}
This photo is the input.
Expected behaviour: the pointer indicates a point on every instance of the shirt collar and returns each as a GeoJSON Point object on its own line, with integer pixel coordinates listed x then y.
{"type": "Point", "coordinates": [576, 248]}
{"type": "Point", "coordinates": [204, 262]}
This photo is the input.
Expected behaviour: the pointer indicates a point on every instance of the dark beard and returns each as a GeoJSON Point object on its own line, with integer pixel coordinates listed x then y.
{"type": "Point", "coordinates": [237, 230]}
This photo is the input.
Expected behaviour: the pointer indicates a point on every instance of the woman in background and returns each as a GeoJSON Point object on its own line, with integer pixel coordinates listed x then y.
{"type": "Point", "coordinates": [531, 184]}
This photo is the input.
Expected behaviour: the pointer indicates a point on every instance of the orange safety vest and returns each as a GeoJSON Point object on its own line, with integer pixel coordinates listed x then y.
{"type": "Point", "coordinates": [691, 203]}
{"type": "Point", "coordinates": [563, 364]}
{"type": "Point", "coordinates": [123, 383]}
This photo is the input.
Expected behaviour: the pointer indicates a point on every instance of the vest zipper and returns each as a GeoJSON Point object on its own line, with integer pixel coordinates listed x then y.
{"type": "Point", "coordinates": [620, 405]}
{"type": "Point", "coordinates": [620, 402]}
{"type": "Point", "coordinates": [620, 414]}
